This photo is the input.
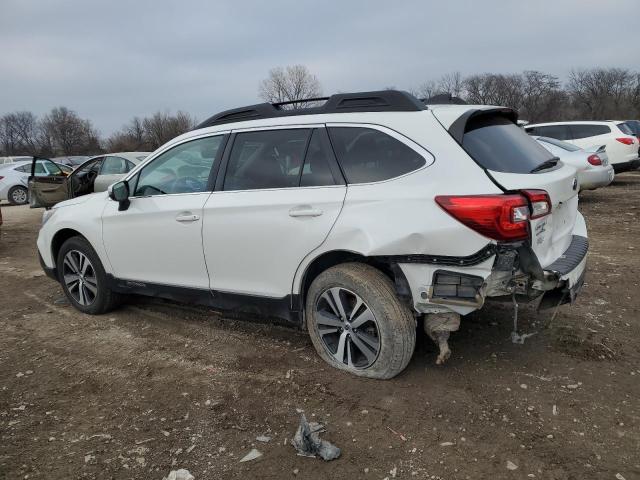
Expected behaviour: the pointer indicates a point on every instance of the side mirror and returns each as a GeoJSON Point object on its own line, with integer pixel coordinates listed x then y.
{"type": "Point", "coordinates": [119, 192]}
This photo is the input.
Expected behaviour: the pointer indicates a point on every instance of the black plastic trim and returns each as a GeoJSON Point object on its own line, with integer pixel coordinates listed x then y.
{"type": "Point", "coordinates": [376, 101]}
{"type": "Point", "coordinates": [285, 308]}
{"type": "Point", "coordinates": [452, 261]}
{"type": "Point", "coordinates": [572, 256]}
{"type": "Point", "coordinates": [458, 127]}
{"type": "Point", "coordinates": [52, 273]}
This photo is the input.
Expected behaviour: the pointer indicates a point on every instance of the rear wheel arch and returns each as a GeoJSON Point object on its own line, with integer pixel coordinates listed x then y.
{"type": "Point", "coordinates": [336, 257]}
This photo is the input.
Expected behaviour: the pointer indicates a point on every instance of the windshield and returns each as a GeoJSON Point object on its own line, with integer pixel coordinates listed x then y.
{"type": "Point", "coordinates": [560, 144]}
{"type": "Point", "coordinates": [498, 144]}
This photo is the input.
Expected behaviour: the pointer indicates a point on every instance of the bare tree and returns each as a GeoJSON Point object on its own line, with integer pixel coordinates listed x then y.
{"type": "Point", "coordinates": [451, 83]}
{"type": "Point", "coordinates": [65, 133]}
{"type": "Point", "coordinates": [601, 93]}
{"type": "Point", "coordinates": [162, 127]}
{"type": "Point", "coordinates": [426, 90]}
{"type": "Point", "coordinates": [294, 82]}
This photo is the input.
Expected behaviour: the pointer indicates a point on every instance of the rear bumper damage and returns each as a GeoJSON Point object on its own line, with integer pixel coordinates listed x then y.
{"type": "Point", "coordinates": [508, 270]}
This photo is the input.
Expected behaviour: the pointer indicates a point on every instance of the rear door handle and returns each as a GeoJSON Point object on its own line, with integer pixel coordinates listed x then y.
{"type": "Point", "coordinates": [186, 217]}
{"type": "Point", "coordinates": [305, 211]}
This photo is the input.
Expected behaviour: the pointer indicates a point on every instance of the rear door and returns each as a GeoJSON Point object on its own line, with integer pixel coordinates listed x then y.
{"type": "Point", "coordinates": [276, 199]}
{"type": "Point", "coordinates": [113, 169]}
{"type": "Point", "coordinates": [47, 184]}
{"type": "Point", "coordinates": [516, 162]}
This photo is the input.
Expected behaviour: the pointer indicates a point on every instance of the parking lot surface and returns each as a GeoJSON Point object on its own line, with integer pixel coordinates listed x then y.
{"type": "Point", "coordinates": [156, 386]}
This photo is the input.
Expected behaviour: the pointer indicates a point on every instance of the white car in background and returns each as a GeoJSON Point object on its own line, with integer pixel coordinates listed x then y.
{"type": "Point", "coordinates": [592, 165]}
{"type": "Point", "coordinates": [14, 177]}
{"type": "Point", "coordinates": [622, 146]}
{"type": "Point", "coordinates": [94, 175]}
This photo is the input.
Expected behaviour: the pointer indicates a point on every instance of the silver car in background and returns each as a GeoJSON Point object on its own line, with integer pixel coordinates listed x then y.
{"type": "Point", "coordinates": [115, 166]}
{"type": "Point", "coordinates": [14, 176]}
{"type": "Point", "coordinates": [594, 170]}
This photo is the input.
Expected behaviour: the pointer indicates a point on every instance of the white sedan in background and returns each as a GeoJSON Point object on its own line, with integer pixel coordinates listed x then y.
{"type": "Point", "coordinates": [594, 169]}
{"type": "Point", "coordinates": [14, 176]}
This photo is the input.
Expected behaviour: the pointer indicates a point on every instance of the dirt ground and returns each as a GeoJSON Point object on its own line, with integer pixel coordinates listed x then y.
{"type": "Point", "coordinates": [155, 386]}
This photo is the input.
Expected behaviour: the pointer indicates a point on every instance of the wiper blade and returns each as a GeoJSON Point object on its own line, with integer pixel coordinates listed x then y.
{"type": "Point", "coordinates": [552, 162]}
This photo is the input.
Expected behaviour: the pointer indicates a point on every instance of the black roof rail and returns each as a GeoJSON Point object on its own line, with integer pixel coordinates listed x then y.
{"type": "Point", "coordinates": [378, 101]}
{"type": "Point", "coordinates": [444, 99]}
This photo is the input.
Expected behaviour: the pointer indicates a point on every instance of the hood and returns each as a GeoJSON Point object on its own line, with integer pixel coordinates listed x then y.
{"type": "Point", "coordinates": [79, 200]}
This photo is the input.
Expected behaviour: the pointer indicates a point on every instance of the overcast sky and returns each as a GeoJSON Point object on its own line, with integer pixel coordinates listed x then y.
{"type": "Point", "coordinates": [111, 60]}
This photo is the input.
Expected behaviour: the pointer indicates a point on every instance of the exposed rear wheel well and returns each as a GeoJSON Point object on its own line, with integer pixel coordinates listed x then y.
{"type": "Point", "coordinates": [331, 259]}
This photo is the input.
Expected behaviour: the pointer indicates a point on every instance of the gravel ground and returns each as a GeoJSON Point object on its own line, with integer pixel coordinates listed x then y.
{"type": "Point", "coordinates": [155, 386]}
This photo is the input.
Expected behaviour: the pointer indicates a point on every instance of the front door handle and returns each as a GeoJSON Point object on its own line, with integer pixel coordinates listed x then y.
{"type": "Point", "coordinates": [305, 211]}
{"type": "Point", "coordinates": [186, 217]}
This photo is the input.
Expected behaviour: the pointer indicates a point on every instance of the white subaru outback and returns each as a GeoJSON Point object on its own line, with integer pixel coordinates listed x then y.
{"type": "Point", "coordinates": [359, 220]}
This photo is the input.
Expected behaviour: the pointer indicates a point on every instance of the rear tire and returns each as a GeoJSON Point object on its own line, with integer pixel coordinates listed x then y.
{"type": "Point", "coordinates": [358, 324]}
{"type": "Point", "coordinates": [18, 195]}
{"type": "Point", "coordinates": [83, 278]}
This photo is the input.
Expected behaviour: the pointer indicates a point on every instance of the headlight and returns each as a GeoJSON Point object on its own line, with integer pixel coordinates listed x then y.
{"type": "Point", "coordinates": [47, 214]}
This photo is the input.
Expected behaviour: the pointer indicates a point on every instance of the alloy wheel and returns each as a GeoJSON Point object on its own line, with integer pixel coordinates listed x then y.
{"type": "Point", "coordinates": [19, 195]}
{"type": "Point", "coordinates": [80, 277]}
{"type": "Point", "coordinates": [347, 327]}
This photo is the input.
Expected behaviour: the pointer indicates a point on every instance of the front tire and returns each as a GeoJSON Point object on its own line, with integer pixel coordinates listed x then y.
{"type": "Point", "coordinates": [18, 195]}
{"type": "Point", "coordinates": [358, 324]}
{"type": "Point", "coordinates": [83, 278]}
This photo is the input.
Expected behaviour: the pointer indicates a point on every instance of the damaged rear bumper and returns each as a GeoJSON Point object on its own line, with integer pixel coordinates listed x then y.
{"type": "Point", "coordinates": [513, 269]}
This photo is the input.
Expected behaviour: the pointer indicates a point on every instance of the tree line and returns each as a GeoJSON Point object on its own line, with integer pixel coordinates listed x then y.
{"type": "Point", "coordinates": [62, 132]}
{"type": "Point", "coordinates": [587, 94]}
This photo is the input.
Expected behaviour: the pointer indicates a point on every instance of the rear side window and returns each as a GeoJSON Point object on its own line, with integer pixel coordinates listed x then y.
{"type": "Point", "coordinates": [561, 132]}
{"type": "Point", "coordinates": [586, 130]}
{"type": "Point", "coordinates": [23, 168]}
{"type": "Point", "coordinates": [368, 155]}
{"type": "Point", "coordinates": [498, 144]}
{"type": "Point", "coordinates": [115, 166]}
{"type": "Point", "coordinates": [624, 128]}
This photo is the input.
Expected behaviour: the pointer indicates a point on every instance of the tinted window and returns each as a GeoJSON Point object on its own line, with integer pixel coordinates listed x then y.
{"type": "Point", "coordinates": [266, 159]}
{"type": "Point", "coordinates": [368, 155]}
{"type": "Point", "coordinates": [115, 166]}
{"type": "Point", "coordinates": [624, 128]}
{"type": "Point", "coordinates": [23, 168]}
{"type": "Point", "coordinates": [39, 169]}
{"type": "Point", "coordinates": [182, 169]}
{"type": "Point", "coordinates": [634, 126]}
{"type": "Point", "coordinates": [569, 147]}
{"type": "Point", "coordinates": [316, 171]}
{"type": "Point", "coordinates": [586, 130]}
{"type": "Point", "coordinates": [561, 132]}
{"type": "Point", "coordinates": [498, 144]}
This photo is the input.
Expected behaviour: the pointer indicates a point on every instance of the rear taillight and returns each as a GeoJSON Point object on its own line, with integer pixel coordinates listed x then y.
{"type": "Point", "coordinates": [626, 140]}
{"type": "Point", "coordinates": [594, 160]}
{"type": "Point", "coordinates": [1, 177]}
{"type": "Point", "coordinates": [500, 217]}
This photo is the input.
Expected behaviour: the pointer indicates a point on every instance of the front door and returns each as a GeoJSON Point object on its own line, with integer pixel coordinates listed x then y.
{"type": "Point", "coordinates": [158, 239]}
{"type": "Point", "coordinates": [47, 184]}
{"type": "Point", "coordinates": [276, 201]}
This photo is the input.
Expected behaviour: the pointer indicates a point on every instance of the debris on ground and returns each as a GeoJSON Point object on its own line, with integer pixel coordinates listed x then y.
{"type": "Point", "coordinates": [263, 439]}
{"type": "Point", "coordinates": [308, 443]}
{"type": "Point", "coordinates": [252, 455]}
{"type": "Point", "coordinates": [439, 326]}
{"type": "Point", "coordinates": [511, 465]}
{"type": "Point", "coordinates": [180, 474]}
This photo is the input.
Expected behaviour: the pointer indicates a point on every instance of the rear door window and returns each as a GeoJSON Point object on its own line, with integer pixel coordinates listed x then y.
{"type": "Point", "coordinates": [368, 155]}
{"type": "Point", "coordinates": [498, 144]}
{"type": "Point", "coordinates": [316, 171]}
{"type": "Point", "coordinates": [561, 132]}
{"type": "Point", "coordinates": [584, 130]}
{"type": "Point", "coordinates": [114, 166]}
{"type": "Point", "coordinates": [266, 159]}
